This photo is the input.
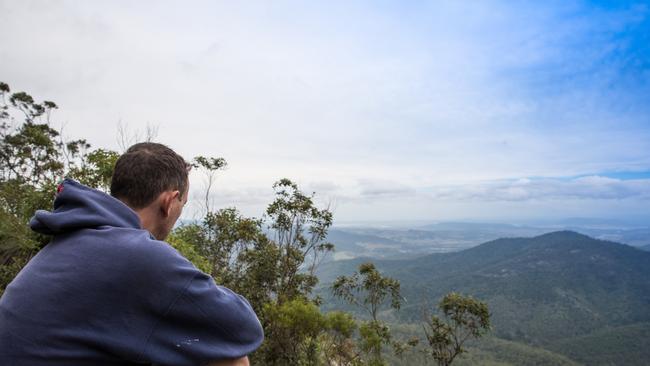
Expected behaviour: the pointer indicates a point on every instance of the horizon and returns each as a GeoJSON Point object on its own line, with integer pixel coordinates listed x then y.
{"type": "Point", "coordinates": [559, 224]}
{"type": "Point", "coordinates": [445, 111]}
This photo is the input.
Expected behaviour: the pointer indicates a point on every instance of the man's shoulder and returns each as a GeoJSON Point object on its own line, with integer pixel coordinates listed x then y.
{"type": "Point", "coordinates": [127, 246]}
{"type": "Point", "coordinates": [125, 238]}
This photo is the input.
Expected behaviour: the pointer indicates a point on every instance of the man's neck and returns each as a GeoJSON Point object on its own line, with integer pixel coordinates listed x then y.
{"type": "Point", "coordinates": [148, 220]}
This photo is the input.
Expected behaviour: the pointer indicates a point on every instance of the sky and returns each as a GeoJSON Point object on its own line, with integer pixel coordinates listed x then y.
{"type": "Point", "coordinates": [388, 110]}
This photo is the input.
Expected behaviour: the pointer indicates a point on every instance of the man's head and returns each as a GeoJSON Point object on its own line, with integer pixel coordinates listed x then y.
{"type": "Point", "coordinates": [153, 180]}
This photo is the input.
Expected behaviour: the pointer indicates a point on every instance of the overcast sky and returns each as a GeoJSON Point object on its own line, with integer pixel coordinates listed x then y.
{"type": "Point", "coordinates": [485, 110]}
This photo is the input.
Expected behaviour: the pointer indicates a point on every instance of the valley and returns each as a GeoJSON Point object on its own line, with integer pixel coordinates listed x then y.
{"type": "Point", "coordinates": [564, 294]}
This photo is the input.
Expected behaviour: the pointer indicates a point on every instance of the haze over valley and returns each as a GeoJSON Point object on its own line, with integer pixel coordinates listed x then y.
{"type": "Point", "coordinates": [404, 240]}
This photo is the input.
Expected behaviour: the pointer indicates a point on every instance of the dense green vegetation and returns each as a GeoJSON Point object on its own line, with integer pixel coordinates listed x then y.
{"type": "Point", "coordinates": [488, 351]}
{"type": "Point", "coordinates": [611, 346]}
{"type": "Point", "coordinates": [498, 351]}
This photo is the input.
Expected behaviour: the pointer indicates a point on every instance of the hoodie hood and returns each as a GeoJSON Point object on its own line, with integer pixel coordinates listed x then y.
{"type": "Point", "coordinates": [79, 207]}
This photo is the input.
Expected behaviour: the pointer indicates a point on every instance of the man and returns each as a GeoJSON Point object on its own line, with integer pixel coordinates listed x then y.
{"type": "Point", "coordinates": [108, 291]}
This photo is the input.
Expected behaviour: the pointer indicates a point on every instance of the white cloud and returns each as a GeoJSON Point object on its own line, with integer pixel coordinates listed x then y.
{"type": "Point", "coordinates": [362, 103]}
{"type": "Point", "coordinates": [585, 188]}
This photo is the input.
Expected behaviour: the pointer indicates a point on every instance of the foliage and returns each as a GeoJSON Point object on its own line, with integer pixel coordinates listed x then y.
{"type": "Point", "coordinates": [337, 343]}
{"type": "Point", "coordinates": [373, 288]}
{"type": "Point", "coordinates": [300, 230]}
{"type": "Point", "coordinates": [294, 327]}
{"type": "Point", "coordinates": [369, 290]}
{"type": "Point", "coordinates": [96, 169]}
{"type": "Point", "coordinates": [463, 318]}
{"type": "Point", "coordinates": [34, 157]}
{"type": "Point", "coordinates": [188, 251]}
{"type": "Point", "coordinates": [221, 238]}
{"type": "Point", "coordinates": [210, 166]}
{"type": "Point", "coordinates": [626, 344]}
{"type": "Point", "coordinates": [492, 349]}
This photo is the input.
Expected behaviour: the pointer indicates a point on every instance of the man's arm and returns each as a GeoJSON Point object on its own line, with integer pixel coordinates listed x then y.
{"type": "Point", "coordinates": [203, 322]}
{"type": "Point", "coordinates": [238, 362]}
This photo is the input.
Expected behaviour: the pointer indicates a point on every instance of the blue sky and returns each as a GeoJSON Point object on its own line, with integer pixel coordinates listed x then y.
{"type": "Point", "coordinates": [400, 110]}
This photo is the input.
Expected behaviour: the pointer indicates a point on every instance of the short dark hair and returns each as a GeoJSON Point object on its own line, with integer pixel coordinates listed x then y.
{"type": "Point", "coordinates": [146, 170]}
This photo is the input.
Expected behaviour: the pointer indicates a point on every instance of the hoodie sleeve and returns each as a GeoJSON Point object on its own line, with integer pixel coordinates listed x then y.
{"type": "Point", "coordinates": [204, 323]}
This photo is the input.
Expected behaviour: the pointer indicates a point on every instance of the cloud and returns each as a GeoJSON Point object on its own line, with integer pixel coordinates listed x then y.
{"type": "Point", "coordinates": [363, 102]}
{"type": "Point", "coordinates": [585, 188]}
{"type": "Point", "coordinates": [382, 189]}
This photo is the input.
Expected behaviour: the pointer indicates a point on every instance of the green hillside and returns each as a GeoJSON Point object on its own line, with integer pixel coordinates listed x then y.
{"type": "Point", "coordinates": [492, 351]}
{"type": "Point", "coordinates": [488, 351]}
{"type": "Point", "coordinates": [630, 343]}
{"type": "Point", "coordinates": [557, 286]}
{"type": "Point", "coordinates": [502, 352]}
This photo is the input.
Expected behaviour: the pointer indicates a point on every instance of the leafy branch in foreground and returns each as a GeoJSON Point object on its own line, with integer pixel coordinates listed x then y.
{"type": "Point", "coordinates": [369, 290]}
{"type": "Point", "coordinates": [463, 318]}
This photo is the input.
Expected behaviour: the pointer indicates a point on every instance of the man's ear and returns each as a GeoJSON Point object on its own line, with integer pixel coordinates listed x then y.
{"type": "Point", "coordinates": [166, 200]}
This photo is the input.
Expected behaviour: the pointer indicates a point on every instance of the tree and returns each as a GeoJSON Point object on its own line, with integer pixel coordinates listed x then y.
{"type": "Point", "coordinates": [34, 157]}
{"type": "Point", "coordinates": [339, 349]}
{"type": "Point", "coordinates": [293, 336]}
{"type": "Point", "coordinates": [369, 290]}
{"type": "Point", "coordinates": [300, 232]}
{"type": "Point", "coordinates": [96, 169]}
{"type": "Point", "coordinates": [283, 266]}
{"type": "Point", "coordinates": [221, 238]}
{"type": "Point", "coordinates": [210, 166]}
{"type": "Point", "coordinates": [463, 318]}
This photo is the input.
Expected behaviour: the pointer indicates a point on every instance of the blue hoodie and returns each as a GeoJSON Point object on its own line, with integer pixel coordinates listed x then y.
{"type": "Point", "coordinates": [105, 292]}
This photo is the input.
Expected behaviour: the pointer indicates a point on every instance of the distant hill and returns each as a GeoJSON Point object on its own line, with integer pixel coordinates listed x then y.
{"type": "Point", "coordinates": [541, 290]}
{"type": "Point", "coordinates": [444, 237]}
{"type": "Point", "coordinates": [645, 247]}
{"type": "Point", "coordinates": [609, 229]}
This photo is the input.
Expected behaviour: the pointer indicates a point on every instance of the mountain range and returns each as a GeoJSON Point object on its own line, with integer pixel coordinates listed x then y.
{"type": "Point", "coordinates": [563, 292]}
